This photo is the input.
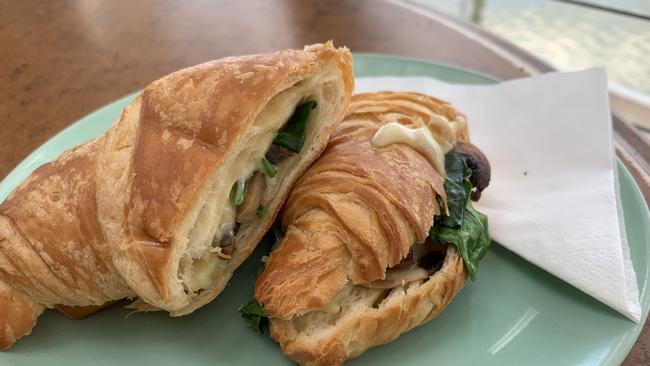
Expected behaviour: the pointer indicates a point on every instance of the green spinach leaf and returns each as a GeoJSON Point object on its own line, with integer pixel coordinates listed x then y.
{"type": "Point", "coordinates": [255, 317]}
{"type": "Point", "coordinates": [293, 134]}
{"type": "Point", "coordinates": [471, 239]}
{"type": "Point", "coordinates": [262, 212]}
{"type": "Point", "coordinates": [268, 168]}
{"type": "Point", "coordinates": [464, 227]}
{"type": "Point", "coordinates": [457, 187]}
{"type": "Point", "coordinates": [238, 192]}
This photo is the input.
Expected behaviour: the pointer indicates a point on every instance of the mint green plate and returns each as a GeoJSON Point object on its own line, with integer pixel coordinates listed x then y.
{"type": "Point", "coordinates": [514, 314]}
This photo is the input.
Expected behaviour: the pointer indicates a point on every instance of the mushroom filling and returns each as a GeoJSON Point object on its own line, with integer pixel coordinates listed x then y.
{"type": "Point", "coordinates": [478, 163]}
{"type": "Point", "coordinates": [280, 135]}
{"type": "Point", "coordinates": [422, 261]}
{"type": "Point", "coordinates": [227, 244]}
{"type": "Point", "coordinates": [277, 154]}
{"type": "Point", "coordinates": [246, 195]}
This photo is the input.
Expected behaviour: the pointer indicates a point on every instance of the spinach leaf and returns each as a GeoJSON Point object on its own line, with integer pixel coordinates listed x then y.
{"type": "Point", "coordinates": [261, 212]}
{"type": "Point", "coordinates": [471, 239]}
{"type": "Point", "coordinates": [457, 187]}
{"type": "Point", "coordinates": [464, 227]}
{"type": "Point", "coordinates": [238, 192]}
{"type": "Point", "coordinates": [292, 135]}
{"type": "Point", "coordinates": [255, 317]}
{"type": "Point", "coordinates": [268, 168]}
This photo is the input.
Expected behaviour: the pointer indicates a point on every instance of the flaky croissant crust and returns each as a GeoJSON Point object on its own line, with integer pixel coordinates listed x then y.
{"type": "Point", "coordinates": [358, 209]}
{"type": "Point", "coordinates": [100, 223]}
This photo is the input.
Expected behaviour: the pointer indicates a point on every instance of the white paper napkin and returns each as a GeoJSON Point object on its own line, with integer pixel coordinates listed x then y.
{"type": "Point", "coordinates": [553, 198]}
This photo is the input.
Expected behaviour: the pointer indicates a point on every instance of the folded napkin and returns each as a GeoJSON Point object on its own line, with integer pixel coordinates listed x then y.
{"type": "Point", "coordinates": [553, 198]}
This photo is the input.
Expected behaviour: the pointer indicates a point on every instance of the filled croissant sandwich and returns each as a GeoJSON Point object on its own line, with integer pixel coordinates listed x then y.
{"type": "Point", "coordinates": [165, 205]}
{"type": "Point", "coordinates": [378, 235]}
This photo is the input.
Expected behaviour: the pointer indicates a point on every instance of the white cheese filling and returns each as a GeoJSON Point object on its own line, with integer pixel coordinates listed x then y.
{"type": "Point", "coordinates": [432, 146]}
{"type": "Point", "coordinates": [202, 261]}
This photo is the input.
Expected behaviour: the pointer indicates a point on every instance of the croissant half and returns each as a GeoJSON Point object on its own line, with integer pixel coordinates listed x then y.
{"type": "Point", "coordinates": [356, 213]}
{"type": "Point", "coordinates": [144, 210]}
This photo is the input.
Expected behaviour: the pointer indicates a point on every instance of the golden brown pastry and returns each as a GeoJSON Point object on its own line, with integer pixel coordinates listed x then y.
{"type": "Point", "coordinates": [355, 267]}
{"type": "Point", "coordinates": [18, 315]}
{"type": "Point", "coordinates": [81, 312]}
{"type": "Point", "coordinates": [166, 204]}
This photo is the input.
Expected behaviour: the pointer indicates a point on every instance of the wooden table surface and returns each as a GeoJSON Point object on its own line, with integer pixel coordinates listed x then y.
{"type": "Point", "coordinates": [60, 60]}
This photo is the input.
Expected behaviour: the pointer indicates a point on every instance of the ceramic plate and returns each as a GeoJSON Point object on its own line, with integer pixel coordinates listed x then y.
{"type": "Point", "coordinates": [514, 314]}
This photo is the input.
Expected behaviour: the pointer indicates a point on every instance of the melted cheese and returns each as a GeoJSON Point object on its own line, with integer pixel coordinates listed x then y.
{"type": "Point", "coordinates": [420, 139]}
{"type": "Point", "coordinates": [198, 271]}
{"type": "Point", "coordinates": [202, 274]}
{"type": "Point", "coordinates": [447, 137]}
{"type": "Point", "coordinates": [433, 146]}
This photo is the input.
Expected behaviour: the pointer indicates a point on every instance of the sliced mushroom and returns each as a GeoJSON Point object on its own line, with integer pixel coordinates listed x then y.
{"type": "Point", "coordinates": [278, 153]}
{"type": "Point", "coordinates": [247, 211]}
{"type": "Point", "coordinates": [225, 246]}
{"type": "Point", "coordinates": [478, 162]}
{"type": "Point", "coordinates": [432, 261]}
{"type": "Point", "coordinates": [400, 275]}
{"type": "Point", "coordinates": [417, 251]}
{"type": "Point", "coordinates": [421, 262]}
{"type": "Point", "coordinates": [228, 243]}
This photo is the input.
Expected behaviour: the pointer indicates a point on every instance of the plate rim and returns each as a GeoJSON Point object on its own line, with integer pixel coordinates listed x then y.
{"type": "Point", "coordinates": [423, 61]}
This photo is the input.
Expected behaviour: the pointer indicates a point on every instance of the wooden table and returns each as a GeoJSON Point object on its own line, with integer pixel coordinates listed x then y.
{"type": "Point", "coordinates": [60, 60]}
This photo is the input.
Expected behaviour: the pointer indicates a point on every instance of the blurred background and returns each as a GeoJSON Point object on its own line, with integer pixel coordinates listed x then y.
{"type": "Point", "coordinates": [62, 59]}
{"type": "Point", "coordinates": [576, 35]}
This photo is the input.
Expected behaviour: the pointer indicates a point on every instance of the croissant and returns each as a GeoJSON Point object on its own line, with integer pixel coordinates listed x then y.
{"type": "Point", "coordinates": [346, 274]}
{"type": "Point", "coordinates": [18, 315]}
{"type": "Point", "coordinates": [166, 204]}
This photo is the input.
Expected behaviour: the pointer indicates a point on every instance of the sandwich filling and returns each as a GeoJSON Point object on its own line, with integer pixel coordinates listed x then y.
{"type": "Point", "coordinates": [467, 173]}
{"type": "Point", "coordinates": [245, 204]}
{"type": "Point", "coordinates": [268, 155]}
{"type": "Point", "coordinates": [432, 146]}
{"type": "Point", "coordinates": [422, 261]}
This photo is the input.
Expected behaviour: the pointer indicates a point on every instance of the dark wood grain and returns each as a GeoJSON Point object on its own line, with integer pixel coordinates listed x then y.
{"type": "Point", "coordinates": [60, 60]}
